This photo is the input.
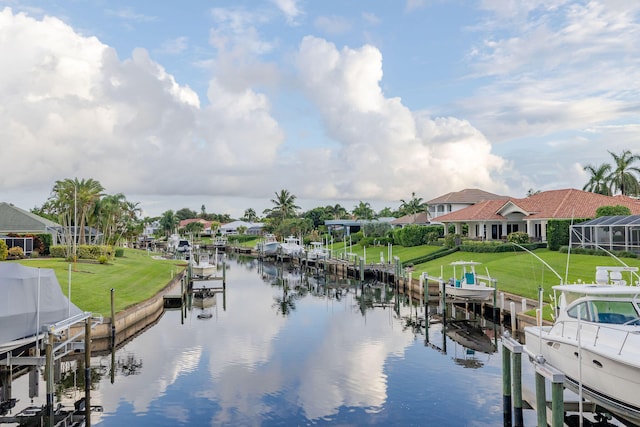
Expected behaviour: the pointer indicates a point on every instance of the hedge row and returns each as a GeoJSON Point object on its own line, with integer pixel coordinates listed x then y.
{"type": "Point", "coordinates": [598, 252]}
{"type": "Point", "coordinates": [82, 251]}
{"type": "Point", "coordinates": [497, 247]}
{"type": "Point", "coordinates": [430, 257]}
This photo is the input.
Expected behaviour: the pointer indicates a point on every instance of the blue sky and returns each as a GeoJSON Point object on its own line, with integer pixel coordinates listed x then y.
{"type": "Point", "coordinates": [224, 103]}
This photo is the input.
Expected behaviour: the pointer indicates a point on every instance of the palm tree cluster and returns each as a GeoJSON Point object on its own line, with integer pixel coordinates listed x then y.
{"type": "Point", "coordinates": [621, 178]}
{"type": "Point", "coordinates": [80, 204]}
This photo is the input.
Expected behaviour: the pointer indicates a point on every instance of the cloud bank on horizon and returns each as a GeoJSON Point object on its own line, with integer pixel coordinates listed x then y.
{"type": "Point", "coordinates": [223, 106]}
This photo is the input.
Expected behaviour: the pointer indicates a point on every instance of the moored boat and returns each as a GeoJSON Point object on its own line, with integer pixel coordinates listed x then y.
{"type": "Point", "coordinates": [291, 246]}
{"type": "Point", "coordinates": [269, 246]}
{"type": "Point", "coordinates": [317, 251]}
{"type": "Point", "coordinates": [595, 339]}
{"type": "Point", "coordinates": [203, 267]}
{"type": "Point", "coordinates": [468, 285]}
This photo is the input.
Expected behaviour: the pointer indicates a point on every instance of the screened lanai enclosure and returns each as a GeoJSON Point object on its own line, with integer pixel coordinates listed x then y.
{"type": "Point", "coordinates": [613, 233]}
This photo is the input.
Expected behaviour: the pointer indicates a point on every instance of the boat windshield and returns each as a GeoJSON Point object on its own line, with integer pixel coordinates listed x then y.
{"type": "Point", "coordinates": [612, 312]}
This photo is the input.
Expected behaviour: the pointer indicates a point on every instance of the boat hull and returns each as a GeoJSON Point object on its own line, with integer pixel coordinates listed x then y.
{"type": "Point", "coordinates": [610, 379]}
{"type": "Point", "coordinates": [203, 270]}
{"type": "Point", "coordinates": [475, 293]}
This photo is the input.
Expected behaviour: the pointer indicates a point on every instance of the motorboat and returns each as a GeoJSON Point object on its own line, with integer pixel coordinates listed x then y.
{"type": "Point", "coordinates": [467, 284]}
{"type": "Point", "coordinates": [595, 339]}
{"type": "Point", "coordinates": [269, 246]}
{"type": "Point", "coordinates": [203, 267]}
{"type": "Point", "coordinates": [317, 251]}
{"type": "Point", "coordinates": [291, 246]}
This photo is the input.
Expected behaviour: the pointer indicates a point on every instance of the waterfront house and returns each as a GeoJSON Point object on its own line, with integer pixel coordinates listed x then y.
{"type": "Point", "coordinates": [457, 200]}
{"type": "Point", "coordinates": [16, 221]}
{"type": "Point", "coordinates": [495, 219]}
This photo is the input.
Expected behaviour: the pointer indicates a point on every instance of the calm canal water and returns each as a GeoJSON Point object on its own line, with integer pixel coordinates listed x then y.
{"type": "Point", "coordinates": [312, 353]}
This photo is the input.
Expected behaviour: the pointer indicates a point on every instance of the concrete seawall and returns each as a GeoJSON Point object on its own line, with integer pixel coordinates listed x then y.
{"type": "Point", "coordinates": [133, 320]}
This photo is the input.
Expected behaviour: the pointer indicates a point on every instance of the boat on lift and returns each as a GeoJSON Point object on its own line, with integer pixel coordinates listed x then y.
{"type": "Point", "coordinates": [467, 284]}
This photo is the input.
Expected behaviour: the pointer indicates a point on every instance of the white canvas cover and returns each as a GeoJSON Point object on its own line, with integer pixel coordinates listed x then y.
{"type": "Point", "coordinates": [19, 301]}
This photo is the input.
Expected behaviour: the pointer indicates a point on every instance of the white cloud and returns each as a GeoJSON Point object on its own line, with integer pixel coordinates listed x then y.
{"type": "Point", "coordinates": [386, 150]}
{"type": "Point", "coordinates": [73, 108]}
{"type": "Point", "coordinates": [290, 9]}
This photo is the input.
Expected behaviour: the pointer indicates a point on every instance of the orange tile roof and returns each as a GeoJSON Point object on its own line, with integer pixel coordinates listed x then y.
{"type": "Point", "coordinates": [554, 204]}
{"type": "Point", "coordinates": [204, 222]}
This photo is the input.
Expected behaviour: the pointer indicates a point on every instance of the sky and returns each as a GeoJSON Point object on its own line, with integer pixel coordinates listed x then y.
{"type": "Point", "coordinates": [225, 103]}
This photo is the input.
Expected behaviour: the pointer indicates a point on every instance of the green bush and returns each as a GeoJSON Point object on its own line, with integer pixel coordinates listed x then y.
{"type": "Point", "coordinates": [416, 235]}
{"type": "Point", "coordinates": [118, 253]}
{"type": "Point", "coordinates": [82, 252]}
{"type": "Point", "coordinates": [102, 259]}
{"type": "Point", "coordinates": [519, 237]}
{"type": "Point", "coordinates": [452, 240]}
{"type": "Point", "coordinates": [495, 246]}
{"type": "Point", "coordinates": [3, 250]}
{"type": "Point", "coordinates": [598, 252]}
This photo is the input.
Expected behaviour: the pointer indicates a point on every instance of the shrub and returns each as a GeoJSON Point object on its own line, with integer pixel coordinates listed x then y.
{"type": "Point", "coordinates": [452, 240]}
{"type": "Point", "coordinates": [102, 259]}
{"type": "Point", "coordinates": [16, 252]}
{"type": "Point", "coordinates": [3, 250]}
{"type": "Point", "coordinates": [118, 253]}
{"type": "Point", "coordinates": [519, 237]}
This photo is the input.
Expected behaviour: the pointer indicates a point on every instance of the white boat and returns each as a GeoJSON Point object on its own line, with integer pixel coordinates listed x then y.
{"type": "Point", "coordinates": [269, 246]}
{"type": "Point", "coordinates": [203, 267]}
{"type": "Point", "coordinates": [291, 246]}
{"type": "Point", "coordinates": [467, 284]}
{"type": "Point", "coordinates": [595, 340]}
{"type": "Point", "coordinates": [317, 251]}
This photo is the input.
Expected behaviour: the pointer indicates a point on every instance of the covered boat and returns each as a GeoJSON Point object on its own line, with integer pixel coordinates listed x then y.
{"type": "Point", "coordinates": [30, 300]}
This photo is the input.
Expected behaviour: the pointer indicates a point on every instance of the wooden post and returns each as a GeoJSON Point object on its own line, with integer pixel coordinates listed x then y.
{"type": "Point", "coordinates": [517, 389]}
{"type": "Point", "coordinates": [113, 318]}
{"type": "Point", "coordinates": [557, 404]}
{"type": "Point", "coordinates": [506, 386]}
{"type": "Point", "coordinates": [541, 400]}
{"type": "Point", "coordinates": [87, 371]}
{"type": "Point", "coordinates": [224, 273]}
{"type": "Point", "coordinates": [49, 371]}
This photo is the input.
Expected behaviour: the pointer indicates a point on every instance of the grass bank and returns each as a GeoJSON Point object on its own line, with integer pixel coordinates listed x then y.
{"type": "Point", "coordinates": [135, 277]}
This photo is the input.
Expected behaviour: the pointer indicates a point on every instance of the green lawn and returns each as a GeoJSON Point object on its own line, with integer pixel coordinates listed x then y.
{"type": "Point", "coordinates": [134, 277]}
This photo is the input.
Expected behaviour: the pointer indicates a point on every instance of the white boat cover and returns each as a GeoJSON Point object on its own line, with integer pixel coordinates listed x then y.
{"type": "Point", "coordinates": [19, 301]}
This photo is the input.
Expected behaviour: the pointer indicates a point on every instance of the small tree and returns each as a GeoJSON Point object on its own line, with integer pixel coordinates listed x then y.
{"type": "Point", "coordinates": [612, 210]}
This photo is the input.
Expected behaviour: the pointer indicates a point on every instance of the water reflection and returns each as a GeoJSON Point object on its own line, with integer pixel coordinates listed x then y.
{"type": "Point", "coordinates": [292, 348]}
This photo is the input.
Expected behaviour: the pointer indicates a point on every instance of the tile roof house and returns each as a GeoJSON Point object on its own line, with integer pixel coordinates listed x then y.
{"type": "Point", "coordinates": [206, 225]}
{"type": "Point", "coordinates": [495, 219]}
{"type": "Point", "coordinates": [457, 200]}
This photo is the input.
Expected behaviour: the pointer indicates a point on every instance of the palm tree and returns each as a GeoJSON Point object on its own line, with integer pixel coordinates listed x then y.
{"type": "Point", "coordinates": [284, 205]}
{"type": "Point", "coordinates": [168, 222]}
{"type": "Point", "coordinates": [363, 211]}
{"type": "Point", "coordinates": [337, 211]}
{"type": "Point", "coordinates": [250, 215]}
{"type": "Point", "coordinates": [623, 177]}
{"type": "Point", "coordinates": [72, 202]}
{"type": "Point", "coordinates": [598, 181]}
{"type": "Point", "coordinates": [413, 206]}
